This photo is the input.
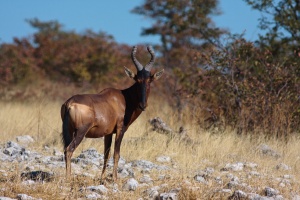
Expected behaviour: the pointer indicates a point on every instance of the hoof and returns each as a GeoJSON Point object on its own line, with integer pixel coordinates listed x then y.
{"type": "Point", "coordinates": [107, 179]}
{"type": "Point", "coordinates": [102, 182]}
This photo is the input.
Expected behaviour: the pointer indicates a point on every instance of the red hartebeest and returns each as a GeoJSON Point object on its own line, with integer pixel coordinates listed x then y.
{"type": "Point", "coordinates": [110, 111]}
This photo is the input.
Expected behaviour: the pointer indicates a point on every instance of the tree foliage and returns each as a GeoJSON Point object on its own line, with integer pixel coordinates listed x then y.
{"type": "Point", "coordinates": [181, 25]}
{"type": "Point", "coordinates": [281, 21]}
{"type": "Point", "coordinates": [61, 56]}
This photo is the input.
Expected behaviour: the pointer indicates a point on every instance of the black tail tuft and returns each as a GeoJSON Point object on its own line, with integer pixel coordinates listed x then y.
{"type": "Point", "coordinates": [66, 138]}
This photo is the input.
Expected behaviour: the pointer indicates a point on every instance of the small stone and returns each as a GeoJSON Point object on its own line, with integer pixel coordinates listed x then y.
{"type": "Point", "coordinates": [114, 187]}
{"type": "Point", "coordinates": [287, 176]}
{"type": "Point", "coordinates": [209, 170]}
{"type": "Point", "coordinates": [145, 171]}
{"type": "Point", "coordinates": [163, 159]}
{"type": "Point", "coordinates": [175, 190]}
{"type": "Point", "coordinates": [234, 167]}
{"type": "Point", "coordinates": [46, 147]}
{"type": "Point", "coordinates": [94, 195]}
{"type": "Point", "coordinates": [25, 139]}
{"type": "Point", "coordinates": [130, 185]}
{"type": "Point", "coordinates": [143, 164]}
{"type": "Point", "coordinates": [224, 191]}
{"type": "Point", "coordinates": [296, 197]}
{"type": "Point", "coordinates": [11, 151]}
{"type": "Point", "coordinates": [254, 196]}
{"type": "Point", "coordinates": [235, 178]}
{"type": "Point", "coordinates": [6, 198]}
{"type": "Point", "coordinates": [284, 182]}
{"type": "Point", "coordinates": [123, 173]}
{"type": "Point", "coordinates": [37, 176]}
{"type": "Point", "coordinates": [230, 176]}
{"type": "Point", "coordinates": [270, 192]}
{"type": "Point", "coordinates": [16, 151]}
{"type": "Point", "coordinates": [152, 192]}
{"type": "Point", "coordinates": [5, 157]}
{"type": "Point", "coordinates": [219, 180]}
{"type": "Point", "coordinates": [28, 182]}
{"type": "Point", "coordinates": [160, 126]}
{"type": "Point", "coordinates": [91, 152]}
{"type": "Point", "coordinates": [168, 196]}
{"type": "Point", "coordinates": [281, 185]}
{"type": "Point", "coordinates": [163, 177]}
{"type": "Point", "coordinates": [146, 179]}
{"type": "Point", "coordinates": [101, 189]}
{"type": "Point", "coordinates": [266, 150]}
{"type": "Point", "coordinates": [254, 173]}
{"type": "Point", "coordinates": [200, 179]}
{"type": "Point", "coordinates": [232, 184]}
{"type": "Point", "coordinates": [238, 194]}
{"type": "Point", "coordinates": [251, 165]}
{"type": "Point", "coordinates": [278, 197]}
{"type": "Point", "coordinates": [13, 144]}
{"type": "Point", "coordinates": [25, 197]}
{"type": "Point", "coordinates": [237, 166]}
{"type": "Point", "coordinates": [283, 167]}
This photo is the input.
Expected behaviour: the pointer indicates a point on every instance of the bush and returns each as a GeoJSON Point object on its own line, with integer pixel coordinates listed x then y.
{"type": "Point", "coordinates": [243, 87]}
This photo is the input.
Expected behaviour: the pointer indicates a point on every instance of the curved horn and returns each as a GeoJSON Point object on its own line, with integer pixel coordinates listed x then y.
{"type": "Point", "coordinates": [151, 62]}
{"type": "Point", "coordinates": [138, 65]}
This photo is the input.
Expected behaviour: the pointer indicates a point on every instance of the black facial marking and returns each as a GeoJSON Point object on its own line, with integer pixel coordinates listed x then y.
{"type": "Point", "coordinates": [142, 77]}
{"type": "Point", "coordinates": [143, 74]}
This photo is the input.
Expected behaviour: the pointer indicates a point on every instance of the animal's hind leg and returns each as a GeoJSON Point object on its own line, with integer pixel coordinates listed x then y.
{"type": "Point", "coordinates": [107, 145]}
{"type": "Point", "coordinates": [78, 136]}
{"type": "Point", "coordinates": [68, 156]}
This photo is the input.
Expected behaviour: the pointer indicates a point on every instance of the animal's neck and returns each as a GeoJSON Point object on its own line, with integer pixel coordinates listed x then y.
{"type": "Point", "coordinates": [132, 104]}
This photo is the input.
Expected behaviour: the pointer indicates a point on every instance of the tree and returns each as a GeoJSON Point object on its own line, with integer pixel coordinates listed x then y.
{"type": "Point", "coordinates": [62, 56]}
{"type": "Point", "coordinates": [181, 25]}
{"type": "Point", "coordinates": [66, 55]}
{"type": "Point", "coordinates": [185, 28]}
{"type": "Point", "coordinates": [17, 64]}
{"type": "Point", "coordinates": [281, 21]}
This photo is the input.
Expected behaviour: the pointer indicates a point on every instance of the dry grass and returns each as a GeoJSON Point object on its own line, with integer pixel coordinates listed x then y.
{"type": "Point", "coordinates": [41, 120]}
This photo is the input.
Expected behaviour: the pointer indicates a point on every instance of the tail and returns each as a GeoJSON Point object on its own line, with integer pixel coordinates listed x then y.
{"type": "Point", "coordinates": [66, 137]}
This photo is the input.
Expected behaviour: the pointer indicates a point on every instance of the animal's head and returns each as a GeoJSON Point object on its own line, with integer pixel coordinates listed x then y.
{"type": "Point", "coordinates": [143, 77]}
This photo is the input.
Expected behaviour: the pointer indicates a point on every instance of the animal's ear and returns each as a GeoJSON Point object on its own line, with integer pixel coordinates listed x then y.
{"type": "Point", "coordinates": [129, 73]}
{"type": "Point", "coordinates": [157, 75]}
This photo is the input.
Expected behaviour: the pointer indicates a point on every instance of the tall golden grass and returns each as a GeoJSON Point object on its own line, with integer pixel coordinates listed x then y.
{"type": "Point", "coordinates": [41, 120]}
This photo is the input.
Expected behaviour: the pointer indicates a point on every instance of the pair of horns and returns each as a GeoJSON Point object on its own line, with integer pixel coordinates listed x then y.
{"type": "Point", "coordinates": [137, 64]}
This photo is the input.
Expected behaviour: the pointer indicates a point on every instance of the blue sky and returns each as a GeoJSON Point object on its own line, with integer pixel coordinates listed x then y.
{"type": "Point", "coordinates": [112, 17]}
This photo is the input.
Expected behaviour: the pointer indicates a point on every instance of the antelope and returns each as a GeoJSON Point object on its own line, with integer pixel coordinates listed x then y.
{"type": "Point", "coordinates": [108, 112]}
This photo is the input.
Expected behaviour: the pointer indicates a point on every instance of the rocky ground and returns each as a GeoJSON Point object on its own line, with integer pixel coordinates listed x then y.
{"type": "Point", "coordinates": [161, 179]}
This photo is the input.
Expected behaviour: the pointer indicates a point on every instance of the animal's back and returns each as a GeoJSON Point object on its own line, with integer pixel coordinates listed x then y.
{"type": "Point", "coordinates": [100, 111]}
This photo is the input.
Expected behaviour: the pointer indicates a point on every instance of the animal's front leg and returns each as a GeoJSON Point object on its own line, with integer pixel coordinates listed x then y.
{"type": "Point", "coordinates": [107, 145]}
{"type": "Point", "coordinates": [118, 141]}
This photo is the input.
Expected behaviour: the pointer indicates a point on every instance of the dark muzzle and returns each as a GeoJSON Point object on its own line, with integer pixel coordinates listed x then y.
{"type": "Point", "coordinates": [143, 103]}
{"type": "Point", "coordinates": [142, 107]}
